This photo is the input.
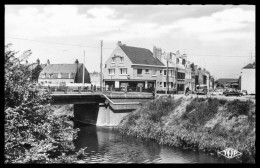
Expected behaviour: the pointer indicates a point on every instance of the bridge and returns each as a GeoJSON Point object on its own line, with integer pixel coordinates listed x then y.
{"type": "Point", "coordinates": [101, 108]}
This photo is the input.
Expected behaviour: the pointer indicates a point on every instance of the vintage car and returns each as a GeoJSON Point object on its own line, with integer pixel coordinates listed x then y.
{"type": "Point", "coordinates": [233, 93]}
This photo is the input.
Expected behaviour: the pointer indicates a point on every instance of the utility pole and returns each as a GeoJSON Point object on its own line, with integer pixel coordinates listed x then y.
{"type": "Point", "coordinates": [167, 79]}
{"type": "Point", "coordinates": [83, 71]}
{"type": "Point", "coordinates": [101, 80]}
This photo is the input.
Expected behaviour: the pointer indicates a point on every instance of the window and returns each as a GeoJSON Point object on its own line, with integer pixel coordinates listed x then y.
{"type": "Point", "coordinates": [44, 75]}
{"type": "Point", "coordinates": [71, 75]}
{"type": "Point", "coordinates": [160, 83]}
{"type": "Point", "coordinates": [164, 72]}
{"type": "Point", "coordinates": [123, 71]}
{"type": "Point", "coordinates": [121, 59]}
{"type": "Point", "coordinates": [160, 71]}
{"type": "Point", "coordinates": [111, 71]}
{"type": "Point", "coordinates": [113, 60]}
{"type": "Point", "coordinates": [183, 62]}
{"type": "Point", "coordinates": [164, 84]}
{"type": "Point", "coordinates": [171, 85]}
{"type": "Point", "coordinates": [139, 71]}
{"type": "Point", "coordinates": [147, 71]}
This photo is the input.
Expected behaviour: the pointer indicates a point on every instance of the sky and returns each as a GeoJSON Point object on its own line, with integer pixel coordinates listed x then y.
{"type": "Point", "coordinates": [219, 38]}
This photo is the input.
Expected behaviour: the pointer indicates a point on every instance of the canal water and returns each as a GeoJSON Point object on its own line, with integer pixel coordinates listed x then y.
{"type": "Point", "coordinates": [105, 145]}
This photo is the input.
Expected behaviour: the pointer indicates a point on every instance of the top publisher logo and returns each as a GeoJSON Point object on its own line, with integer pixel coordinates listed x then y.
{"type": "Point", "coordinates": [230, 153]}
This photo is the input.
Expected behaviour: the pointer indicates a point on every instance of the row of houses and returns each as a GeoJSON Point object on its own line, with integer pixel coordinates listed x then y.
{"type": "Point", "coordinates": [139, 67]}
{"type": "Point", "coordinates": [54, 74]}
{"type": "Point", "coordinates": [133, 67]}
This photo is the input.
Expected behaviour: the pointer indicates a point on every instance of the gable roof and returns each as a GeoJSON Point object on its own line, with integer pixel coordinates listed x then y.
{"type": "Point", "coordinates": [61, 68]}
{"type": "Point", "coordinates": [140, 56]}
{"type": "Point", "coordinates": [226, 80]}
{"type": "Point", "coordinates": [249, 66]}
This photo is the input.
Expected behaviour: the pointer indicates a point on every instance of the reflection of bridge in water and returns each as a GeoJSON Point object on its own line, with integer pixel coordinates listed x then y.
{"type": "Point", "coordinates": [101, 108]}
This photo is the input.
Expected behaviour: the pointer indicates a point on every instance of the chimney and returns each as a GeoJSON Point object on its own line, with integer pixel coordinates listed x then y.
{"type": "Point", "coordinates": [154, 52]}
{"type": "Point", "coordinates": [178, 53]}
{"type": "Point", "coordinates": [38, 61]}
{"type": "Point", "coordinates": [48, 62]}
{"type": "Point", "coordinates": [119, 43]}
{"type": "Point", "coordinates": [76, 62]}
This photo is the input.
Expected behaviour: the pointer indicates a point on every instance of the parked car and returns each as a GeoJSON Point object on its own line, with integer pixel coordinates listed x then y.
{"type": "Point", "coordinates": [233, 93]}
{"type": "Point", "coordinates": [217, 92]}
{"type": "Point", "coordinates": [244, 92]}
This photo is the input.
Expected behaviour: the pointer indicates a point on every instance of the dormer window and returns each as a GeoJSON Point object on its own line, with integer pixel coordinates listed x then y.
{"type": "Point", "coordinates": [113, 60]}
{"type": "Point", "coordinates": [121, 59]}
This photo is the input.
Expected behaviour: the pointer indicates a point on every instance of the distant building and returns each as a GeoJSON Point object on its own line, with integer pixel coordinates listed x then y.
{"type": "Point", "coordinates": [95, 78]}
{"type": "Point", "coordinates": [227, 83]}
{"type": "Point", "coordinates": [248, 78]}
{"type": "Point", "coordinates": [132, 67]}
{"type": "Point", "coordinates": [66, 73]}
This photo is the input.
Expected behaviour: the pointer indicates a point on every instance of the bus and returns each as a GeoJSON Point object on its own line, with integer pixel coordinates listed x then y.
{"type": "Point", "coordinates": [201, 89]}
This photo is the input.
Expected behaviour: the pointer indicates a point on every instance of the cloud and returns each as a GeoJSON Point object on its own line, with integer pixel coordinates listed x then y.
{"type": "Point", "coordinates": [220, 23]}
{"type": "Point", "coordinates": [60, 20]}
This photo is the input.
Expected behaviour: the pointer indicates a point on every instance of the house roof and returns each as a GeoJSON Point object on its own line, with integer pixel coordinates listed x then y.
{"type": "Point", "coordinates": [249, 66]}
{"type": "Point", "coordinates": [60, 68]}
{"type": "Point", "coordinates": [223, 81]}
{"type": "Point", "coordinates": [141, 56]}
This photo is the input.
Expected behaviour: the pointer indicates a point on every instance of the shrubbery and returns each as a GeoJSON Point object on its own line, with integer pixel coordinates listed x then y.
{"type": "Point", "coordinates": [200, 110]}
{"type": "Point", "coordinates": [160, 107]}
{"type": "Point", "coordinates": [237, 107]}
{"type": "Point", "coordinates": [189, 130]}
{"type": "Point", "coordinates": [32, 133]}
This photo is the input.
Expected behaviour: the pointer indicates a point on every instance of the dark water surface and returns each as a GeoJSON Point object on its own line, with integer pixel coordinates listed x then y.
{"type": "Point", "coordinates": [105, 145]}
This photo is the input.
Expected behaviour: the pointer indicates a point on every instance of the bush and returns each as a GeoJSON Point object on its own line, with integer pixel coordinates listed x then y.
{"type": "Point", "coordinates": [237, 107]}
{"type": "Point", "coordinates": [222, 101]}
{"type": "Point", "coordinates": [31, 129]}
{"type": "Point", "coordinates": [199, 111]}
{"type": "Point", "coordinates": [160, 107]}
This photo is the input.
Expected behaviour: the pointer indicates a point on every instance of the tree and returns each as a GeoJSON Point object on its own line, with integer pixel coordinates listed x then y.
{"type": "Point", "coordinates": [36, 72]}
{"type": "Point", "coordinates": [32, 133]}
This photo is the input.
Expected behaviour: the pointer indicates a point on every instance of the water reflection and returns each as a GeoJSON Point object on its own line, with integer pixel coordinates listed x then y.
{"type": "Point", "coordinates": [105, 145]}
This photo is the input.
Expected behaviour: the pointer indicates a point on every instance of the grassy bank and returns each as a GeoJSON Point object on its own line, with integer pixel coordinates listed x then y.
{"type": "Point", "coordinates": [210, 125]}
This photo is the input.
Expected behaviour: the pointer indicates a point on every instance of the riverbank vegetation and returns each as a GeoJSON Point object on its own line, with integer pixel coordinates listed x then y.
{"type": "Point", "coordinates": [205, 124]}
{"type": "Point", "coordinates": [32, 133]}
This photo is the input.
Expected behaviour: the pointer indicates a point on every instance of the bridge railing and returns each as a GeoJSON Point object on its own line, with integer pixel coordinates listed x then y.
{"type": "Point", "coordinates": [66, 89]}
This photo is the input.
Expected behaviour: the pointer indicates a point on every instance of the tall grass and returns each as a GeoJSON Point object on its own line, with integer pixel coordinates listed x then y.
{"type": "Point", "coordinates": [189, 130]}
